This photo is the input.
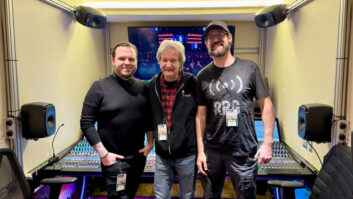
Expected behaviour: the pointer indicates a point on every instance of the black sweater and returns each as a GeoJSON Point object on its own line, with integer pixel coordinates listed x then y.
{"type": "Point", "coordinates": [120, 109]}
{"type": "Point", "coordinates": [181, 138]}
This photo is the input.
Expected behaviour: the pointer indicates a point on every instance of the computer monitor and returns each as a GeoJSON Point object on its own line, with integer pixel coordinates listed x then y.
{"type": "Point", "coordinates": [259, 129]}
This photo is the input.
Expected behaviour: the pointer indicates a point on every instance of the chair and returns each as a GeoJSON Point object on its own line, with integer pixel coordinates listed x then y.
{"type": "Point", "coordinates": [14, 185]}
{"type": "Point", "coordinates": [335, 179]}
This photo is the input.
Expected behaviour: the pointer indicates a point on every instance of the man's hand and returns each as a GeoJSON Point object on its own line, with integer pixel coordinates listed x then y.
{"type": "Point", "coordinates": [264, 154]}
{"type": "Point", "coordinates": [201, 163]}
{"type": "Point", "coordinates": [110, 158]}
{"type": "Point", "coordinates": [146, 150]}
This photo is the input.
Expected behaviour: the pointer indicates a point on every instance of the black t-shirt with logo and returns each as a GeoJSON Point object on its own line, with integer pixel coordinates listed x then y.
{"type": "Point", "coordinates": [232, 87]}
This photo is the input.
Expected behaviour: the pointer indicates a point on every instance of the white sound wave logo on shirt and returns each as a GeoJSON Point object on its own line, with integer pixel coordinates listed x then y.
{"type": "Point", "coordinates": [217, 86]}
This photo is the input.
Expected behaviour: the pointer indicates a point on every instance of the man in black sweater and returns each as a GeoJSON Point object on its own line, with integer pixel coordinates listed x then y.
{"type": "Point", "coordinates": [118, 103]}
{"type": "Point", "coordinates": [173, 106]}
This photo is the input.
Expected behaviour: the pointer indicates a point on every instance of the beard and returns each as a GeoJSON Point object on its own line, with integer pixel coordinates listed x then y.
{"type": "Point", "coordinates": [218, 53]}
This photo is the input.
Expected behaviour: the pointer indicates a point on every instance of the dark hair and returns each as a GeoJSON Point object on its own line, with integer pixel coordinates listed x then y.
{"type": "Point", "coordinates": [126, 44]}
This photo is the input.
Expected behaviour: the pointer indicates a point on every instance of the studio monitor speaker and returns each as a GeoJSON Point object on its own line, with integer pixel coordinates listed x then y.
{"type": "Point", "coordinates": [38, 120]}
{"type": "Point", "coordinates": [271, 15]}
{"type": "Point", "coordinates": [314, 122]}
{"type": "Point", "coordinates": [90, 17]}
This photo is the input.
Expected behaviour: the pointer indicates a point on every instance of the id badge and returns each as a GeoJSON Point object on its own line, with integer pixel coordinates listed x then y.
{"type": "Point", "coordinates": [231, 117]}
{"type": "Point", "coordinates": [162, 132]}
{"type": "Point", "coordinates": [120, 182]}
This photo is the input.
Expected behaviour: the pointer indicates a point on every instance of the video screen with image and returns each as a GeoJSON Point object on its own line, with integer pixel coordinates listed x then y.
{"type": "Point", "coordinates": [147, 40]}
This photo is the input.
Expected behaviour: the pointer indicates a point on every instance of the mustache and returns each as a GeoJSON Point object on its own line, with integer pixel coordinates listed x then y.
{"type": "Point", "coordinates": [216, 43]}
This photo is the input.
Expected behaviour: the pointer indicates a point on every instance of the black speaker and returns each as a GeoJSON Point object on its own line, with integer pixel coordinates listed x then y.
{"type": "Point", "coordinates": [270, 16]}
{"type": "Point", "coordinates": [90, 17]}
{"type": "Point", "coordinates": [38, 120]}
{"type": "Point", "coordinates": [314, 122]}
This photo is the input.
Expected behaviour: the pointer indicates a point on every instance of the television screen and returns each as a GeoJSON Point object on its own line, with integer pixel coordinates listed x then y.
{"type": "Point", "coordinates": [147, 40]}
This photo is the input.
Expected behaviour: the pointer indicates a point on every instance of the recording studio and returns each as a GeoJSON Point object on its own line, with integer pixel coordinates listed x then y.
{"type": "Point", "coordinates": [52, 51]}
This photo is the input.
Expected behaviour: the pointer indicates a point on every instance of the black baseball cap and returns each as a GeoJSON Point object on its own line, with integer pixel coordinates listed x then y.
{"type": "Point", "coordinates": [216, 25]}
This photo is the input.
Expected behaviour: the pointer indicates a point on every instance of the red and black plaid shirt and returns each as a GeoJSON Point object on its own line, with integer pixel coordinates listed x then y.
{"type": "Point", "coordinates": [168, 92]}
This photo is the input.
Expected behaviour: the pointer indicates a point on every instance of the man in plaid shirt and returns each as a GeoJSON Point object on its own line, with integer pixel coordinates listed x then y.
{"type": "Point", "coordinates": [168, 92]}
{"type": "Point", "coordinates": [173, 106]}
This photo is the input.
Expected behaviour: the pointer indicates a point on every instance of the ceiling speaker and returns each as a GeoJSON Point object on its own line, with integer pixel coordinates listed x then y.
{"type": "Point", "coordinates": [90, 17]}
{"type": "Point", "coordinates": [271, 15]}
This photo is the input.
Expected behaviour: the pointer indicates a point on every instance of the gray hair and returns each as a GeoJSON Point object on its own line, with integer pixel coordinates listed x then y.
{"type": "Point", "coordinates": [175, 45]}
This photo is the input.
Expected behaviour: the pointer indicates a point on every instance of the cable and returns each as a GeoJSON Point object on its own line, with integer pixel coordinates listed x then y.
{"type": "Point", "coordinates": [52, 142]}
{"type": "Point", "coordinates": [315, 152]}
{"type": "Point", "coordinates": [337, 118]}
{"type": "Point", "coordinates": [54, 158]}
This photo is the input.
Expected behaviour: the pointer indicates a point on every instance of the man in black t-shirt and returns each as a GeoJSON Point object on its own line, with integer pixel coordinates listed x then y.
{"type": "Point", "coordinates": [119, 104]}
{"type": "Point", "coordinates": [226, 138]}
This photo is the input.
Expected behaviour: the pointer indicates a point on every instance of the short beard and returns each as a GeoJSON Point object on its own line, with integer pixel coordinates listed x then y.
{"type": "Point", "coordinates": [221, 53]}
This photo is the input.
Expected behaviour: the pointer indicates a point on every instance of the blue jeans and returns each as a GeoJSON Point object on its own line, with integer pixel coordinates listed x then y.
{"type": "Point", "coordinates": [241, 170]}
{"type": "Point", "coordinates": [165, 172]}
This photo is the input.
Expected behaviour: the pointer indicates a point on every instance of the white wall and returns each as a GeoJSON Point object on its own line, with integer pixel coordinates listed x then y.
{"type": "Point", "coordinates": [301, 57]}
{"type": "Point", "coordinates": [58, 60]}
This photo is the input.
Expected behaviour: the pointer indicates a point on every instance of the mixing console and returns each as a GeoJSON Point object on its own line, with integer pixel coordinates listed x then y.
{"type": "Point", "coordinates": [83, 158]}
{"type": "Point", "coordinates": [83, 161]}
{"type": "Point", "coordinates": [282, 163]}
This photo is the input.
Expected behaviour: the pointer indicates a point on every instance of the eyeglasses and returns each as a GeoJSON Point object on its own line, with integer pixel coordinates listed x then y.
{"type": "Point", "coordinates": [218, 36]}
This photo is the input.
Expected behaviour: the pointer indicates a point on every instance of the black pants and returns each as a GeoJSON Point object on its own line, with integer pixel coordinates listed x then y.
{"type": "Point", "coordinates": [241, 170]}
{"type": "Point", "coordinates": [133, 168]}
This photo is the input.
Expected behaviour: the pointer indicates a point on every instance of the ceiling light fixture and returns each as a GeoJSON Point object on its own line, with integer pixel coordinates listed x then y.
{"type": "Point", "coordinates": [183, 4]}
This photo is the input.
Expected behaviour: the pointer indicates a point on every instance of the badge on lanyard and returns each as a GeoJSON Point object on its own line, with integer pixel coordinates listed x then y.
{"type": "Point", "coordinates": [120, 182]}
{"type": "Point", "coordinates": [162, 132]}
{"type": "Point", "coordinates": [231, 117]}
